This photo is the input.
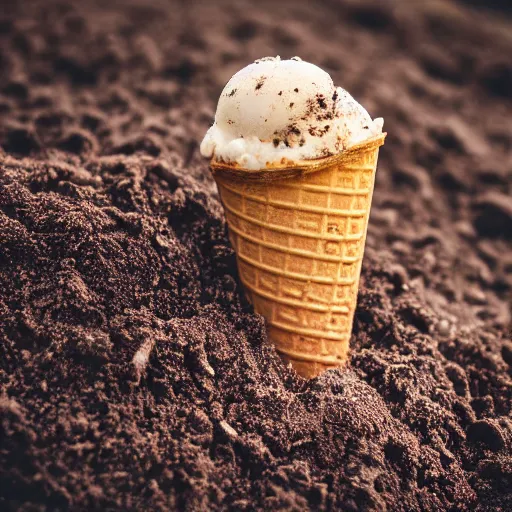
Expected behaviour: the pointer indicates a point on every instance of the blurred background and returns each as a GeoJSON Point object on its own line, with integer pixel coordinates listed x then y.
{"type": "Point", "coordinates": [129, 76]}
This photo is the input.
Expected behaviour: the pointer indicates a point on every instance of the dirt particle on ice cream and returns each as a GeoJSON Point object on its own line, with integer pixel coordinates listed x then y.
{"type": "Point", "coordinates": [260, 83]}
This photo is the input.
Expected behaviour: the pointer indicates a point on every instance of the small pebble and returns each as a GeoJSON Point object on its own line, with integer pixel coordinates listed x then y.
{"type": "Point", "coordinates": [228, 429]}
{"type": "Point", "coordinates": [475, 296]}
{"type": "Point", "coordinates": [444, 327]}
{"type": "Point", "coordinates": [208, 369]}
{"type": "Point", "coordinates": [401, 247]}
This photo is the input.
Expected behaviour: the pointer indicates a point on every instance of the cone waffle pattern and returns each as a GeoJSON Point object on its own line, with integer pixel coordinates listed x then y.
{"type": "Point", "coordinates": [299, 243]}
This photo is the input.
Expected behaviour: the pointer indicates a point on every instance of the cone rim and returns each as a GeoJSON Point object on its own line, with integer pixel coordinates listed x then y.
{"type": "Point", "coordinates": [294, 169]}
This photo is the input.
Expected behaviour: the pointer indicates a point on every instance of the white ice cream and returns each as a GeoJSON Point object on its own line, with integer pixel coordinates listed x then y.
{"type": "Point", "coordinates": [284, 110]}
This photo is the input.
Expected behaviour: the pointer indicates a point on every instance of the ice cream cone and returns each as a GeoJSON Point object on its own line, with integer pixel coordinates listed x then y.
{"type": "Point", "coordinates": [299, 232]}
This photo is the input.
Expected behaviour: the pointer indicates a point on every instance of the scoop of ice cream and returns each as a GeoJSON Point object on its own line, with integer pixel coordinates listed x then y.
{"type": "Point", "coordinates": [275, 110]}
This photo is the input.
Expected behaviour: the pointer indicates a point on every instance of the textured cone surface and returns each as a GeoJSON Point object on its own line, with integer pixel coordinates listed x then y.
{"type": "Point", "coordinates": [299, 243]}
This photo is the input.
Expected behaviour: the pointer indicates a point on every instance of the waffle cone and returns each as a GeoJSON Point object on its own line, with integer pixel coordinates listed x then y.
{"type": "Point", "coordinates": [299, 233]}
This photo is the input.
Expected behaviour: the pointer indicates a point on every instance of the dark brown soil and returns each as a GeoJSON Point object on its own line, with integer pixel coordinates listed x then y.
{"type": "Point", "coordinates": [133, 374]}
